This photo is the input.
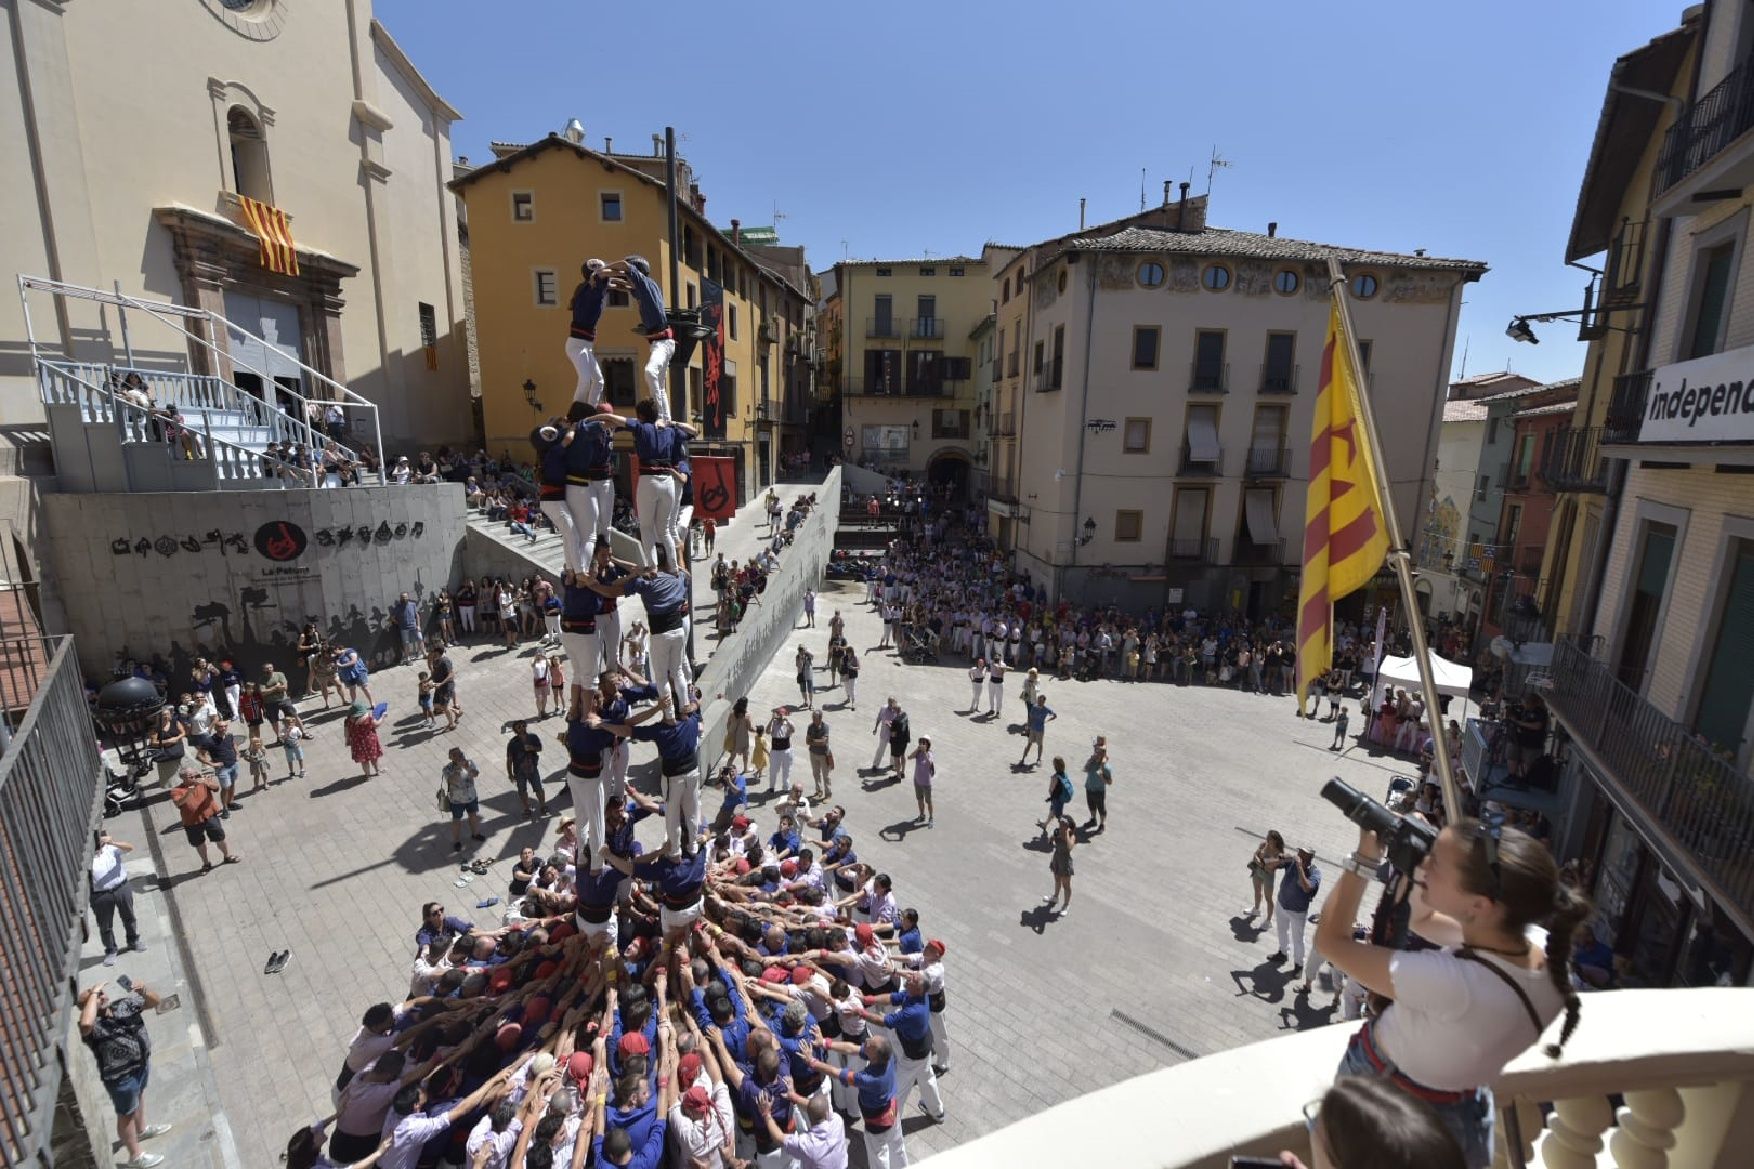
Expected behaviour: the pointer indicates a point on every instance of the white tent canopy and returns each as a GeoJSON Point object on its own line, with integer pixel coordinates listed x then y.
{"type": "Point", "coordinates": [1451, 679]}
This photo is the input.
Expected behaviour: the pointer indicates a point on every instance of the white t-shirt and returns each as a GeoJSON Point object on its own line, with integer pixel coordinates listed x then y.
{"type": "Point", "coordinates": [1454, 1024]}
{"type": "Point", "coordinates": [108, 870]}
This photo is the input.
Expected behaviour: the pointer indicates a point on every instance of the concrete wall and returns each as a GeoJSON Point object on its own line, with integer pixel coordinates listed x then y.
{"type": "Point", "coordinates": [739, 659]}
{"type": "Point", "coordinates": [191, 574]}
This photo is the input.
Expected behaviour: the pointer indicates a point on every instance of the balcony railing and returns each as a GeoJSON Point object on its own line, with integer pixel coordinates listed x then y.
{"type": "Point", "coordinates": [1203, 550]}
{"type": "Point", "coordinates": [1208, 377]}
{"type": "Point", "coordinates": [950, 430]}
{"type": "Point", "coordinates": [1048, 376]}
{"type": "Point", "coordinates": [1004, 488]}
{"type": "Point", "coordinates": [895, 387]}
{"type": "Point", "coordinates": [1682, 786]}
{"type": "Point", "coordinates": [1573, 461]}
{"type": "Point", "coordinates": [1269, 462]}
{"type": "Point", "coordinates": [1011, 364]}
{"type": "Point", "coordinates": [48, 803]}
{"type": "Point", "coordinates": [926, 328]}
{"type": "Point", "coordinates": [1192, 466]}
{"type": "Point", "coordinates": [1626, 408]}
{"type": "Point", "coordinates": [1253, 552]}
{"type": "Point", "coordinates": [764, 410]}
{"type": "Point", "coordinates": [882, 327]}
{"type": "Point", "coordinates": [1279, 379]}
{"type": "Point", "coordinates": [1677, 1058]}
{"type": "Point", "coordinates": [1707, 127]}
{"type": "Point", "coordinates": [1005, 425]}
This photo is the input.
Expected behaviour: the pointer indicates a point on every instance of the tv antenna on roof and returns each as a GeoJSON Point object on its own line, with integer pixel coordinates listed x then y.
{"type": "Point", "coordinates": [1141, 188]}
{"type": "Point", "coordinates": [1218, 164]}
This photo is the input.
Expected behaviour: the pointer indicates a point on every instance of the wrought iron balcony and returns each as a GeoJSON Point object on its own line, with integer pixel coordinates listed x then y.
{"type": "Point", "coordinates": [1192, 466]}
{"type": "Point", "coordinates": [1279, 379]}
{"type": "Point", "coordinates": [1048, 376]}
{"type": "Point", "coordinates": [1005, 425]}
{"type": "Point", "coordinates": [1574, 462]}
{"type": "Point", "coordinates": [1702, 805]}
{"type": "Point", "coordinates": [1203, 550]}
{"type": "Point", "coordinates": [882, 327]}
{"type": "Point", "coordinates": [1209, 377]}
{"type": "Point", "coordinates": [1269, 462]}
{"type": "Point", "coordinates": [926, 328]}
{"type": "Point", "coordinates": [1707, 127]}
{"type": "Point", "coordinates": [1253, 552]}
{"type": "Point", "coordinates": [1626, 408]}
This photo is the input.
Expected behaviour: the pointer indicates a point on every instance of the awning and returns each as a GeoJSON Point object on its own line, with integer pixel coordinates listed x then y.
{"type": "Point", "coordinates": [1202, 438]}
{"type": "Point", "coordinates": [1257, 509]}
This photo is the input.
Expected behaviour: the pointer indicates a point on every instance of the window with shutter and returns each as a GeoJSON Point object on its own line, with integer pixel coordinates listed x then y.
{"type": "Point", "coordinates": [1728, 693]}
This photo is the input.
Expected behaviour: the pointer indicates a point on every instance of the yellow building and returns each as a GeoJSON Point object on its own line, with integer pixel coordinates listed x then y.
{"type": "Point", "coordinates": [1613, 221]}
{"type": "Point", "coordinates": [901, 354]}
{"type": "Point", "coordinates": [536, 214]}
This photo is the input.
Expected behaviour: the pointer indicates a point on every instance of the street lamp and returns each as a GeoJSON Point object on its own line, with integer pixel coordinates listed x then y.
{"type": "Point", "coordinates": [1089, 531]}
{"type": "Point", "coordinates": [530, 395]}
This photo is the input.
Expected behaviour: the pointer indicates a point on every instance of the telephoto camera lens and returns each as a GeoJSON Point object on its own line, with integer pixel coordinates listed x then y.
{"type": "Point", "coordinates": [1360, 808]}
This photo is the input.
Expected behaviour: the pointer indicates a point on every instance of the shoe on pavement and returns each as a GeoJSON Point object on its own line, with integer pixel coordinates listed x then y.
{"type": "Point", "coordinates": [137, 946]}
{"type": "Point", "coordinates": [109, 957]}
{"type": "Point", "coordinates": [143, 1161]}
{"type": "Point", "coordinates": [154, 1130]}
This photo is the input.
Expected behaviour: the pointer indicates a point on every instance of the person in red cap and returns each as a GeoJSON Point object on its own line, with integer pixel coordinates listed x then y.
{"type": "Point", "coordinates": [930, 963]}
{"type": "Point", "coordinates": [701, 1118]}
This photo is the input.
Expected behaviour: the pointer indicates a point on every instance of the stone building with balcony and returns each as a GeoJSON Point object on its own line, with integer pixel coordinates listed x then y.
{"type": "Point", "coordinates": [1164, 374]}
{"type": "Point", "coordinates": [1652, 680]}
{"type": "Point", "coordinates": [313, 110]}
{"type": "Point", "coordinates": [902, 361]}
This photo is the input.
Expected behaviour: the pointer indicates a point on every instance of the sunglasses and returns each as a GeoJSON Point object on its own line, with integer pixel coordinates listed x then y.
{"type": "Point", "coordinates": [1490, 829]}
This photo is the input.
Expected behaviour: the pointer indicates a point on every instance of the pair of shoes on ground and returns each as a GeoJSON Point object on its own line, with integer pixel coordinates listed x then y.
{"type": "Point", "coordinates": [277, 962]}
{"type": "Point", "coordinates": [147, 1160]}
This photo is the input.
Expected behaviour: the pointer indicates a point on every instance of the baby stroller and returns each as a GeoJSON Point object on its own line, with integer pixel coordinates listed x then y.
{"type": "Point", "coordinates": [919, 645]}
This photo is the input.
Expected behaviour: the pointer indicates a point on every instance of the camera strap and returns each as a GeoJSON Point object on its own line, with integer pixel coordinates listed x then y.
{"type": "Point", "coordinates": [1521, 994]}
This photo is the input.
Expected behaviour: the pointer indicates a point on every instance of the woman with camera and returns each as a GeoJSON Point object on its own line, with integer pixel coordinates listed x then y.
{"type": "Point", "coordinates": [1460, 1013]}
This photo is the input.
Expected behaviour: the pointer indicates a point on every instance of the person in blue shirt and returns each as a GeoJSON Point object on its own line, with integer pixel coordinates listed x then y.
{"type": "Point", "coordinates": [909, 941]}
{"type": "Point", "coordinates": [1038, 715]}
{"type": "Point", "coordinates": [598, 890]}
{"type": "Point", "coordinates": [581, 338]}
{"type": "Point", "coordinates": [765, 1082]}
{"type": "Point", "coordinates": [658, 496]}
{"type": "Point", "coordinates": [724, 1010]}
{"type": "Point", "coordinates": [784, 841]}
{"type": "Point", "coordinates": [588, 464]}
{"type": "Point", "coordinates": [666, 598]}
{"type": "Point", "coordinates": [1298, 888]}
{"type": "Point", "coordinates": [633, 1133]}
{"type": "Point", "coordinates": [678, 881]}
{"type": "Point", "coordinates": [678, 740]}
{"type": "Point", "coordinates": [911, 1021]}
{"type": "Point", "coordinates": [878, 1106]}
{"type": "Point", "coordinates": [735, 786]}
{"type": "Point", "coordinates": [586, 741]}
{"type": "Point", "coordinates": [579, 636]}
{"type": "Point", "coordinates": [545, 440]}
{"type": "Point", "coordinates": [654, 324]}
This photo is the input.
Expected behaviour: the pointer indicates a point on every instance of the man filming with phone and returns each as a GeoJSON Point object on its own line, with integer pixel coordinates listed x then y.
{"type": "Point", "coordinates": [115, 1030]}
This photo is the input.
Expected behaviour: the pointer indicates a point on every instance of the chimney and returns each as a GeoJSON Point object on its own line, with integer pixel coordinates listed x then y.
{"type": "Point", "coordinates": [698, 199]}
{"type": "Point", "coordinates": [1418, 251]}
{"type": "Point", "coordinates": [1166, 185]}
{"type": "Point", "coordinates": [574, 132]}
{"type": "Point", "coordinates": [1272, 229]}
{"type": "Point", "coordinates": [737, 231]}
{"type": "Point", "coordinates": [608, 145]}
{"type": "Point", "coordinates": [657, 145]}
{"type": "Point", "coordinates": [1181, 213]}
{"type": "Point", "coordinates": [1081, 213]}
{"type": "Point", "coordinates": [462, 160]}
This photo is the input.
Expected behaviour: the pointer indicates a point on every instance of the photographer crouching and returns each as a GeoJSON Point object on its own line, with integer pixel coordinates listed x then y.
{"type": "Point", "coordinates": [1457, 1014]}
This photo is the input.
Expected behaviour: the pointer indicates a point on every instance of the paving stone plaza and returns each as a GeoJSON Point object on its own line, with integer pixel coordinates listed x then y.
{"type": "Point", "coordinates": [1154, 966]}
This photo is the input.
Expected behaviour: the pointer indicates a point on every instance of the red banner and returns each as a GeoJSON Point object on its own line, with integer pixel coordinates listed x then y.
{"type": "Point", "coordinates": [715, 487]}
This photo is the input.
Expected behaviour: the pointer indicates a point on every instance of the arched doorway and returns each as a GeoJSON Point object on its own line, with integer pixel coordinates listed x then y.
{"type": "Point", "coordinates": [950, 466]}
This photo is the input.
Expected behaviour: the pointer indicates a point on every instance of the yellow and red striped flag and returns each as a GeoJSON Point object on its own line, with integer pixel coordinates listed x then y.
{"type": "Point", "coordinates": [1345, 534]}
{"type": "Point", "coordinates": [274, 232]}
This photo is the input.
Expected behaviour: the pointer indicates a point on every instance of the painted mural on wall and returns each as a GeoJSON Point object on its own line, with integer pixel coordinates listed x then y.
{"type": "Point", "coordinates": [274, 571]}
{"type": "Point", "coordinates": [1442, 533]}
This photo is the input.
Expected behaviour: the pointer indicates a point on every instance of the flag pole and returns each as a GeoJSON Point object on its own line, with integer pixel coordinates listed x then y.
{"type": "Point", "coordinates": [1398, 556]}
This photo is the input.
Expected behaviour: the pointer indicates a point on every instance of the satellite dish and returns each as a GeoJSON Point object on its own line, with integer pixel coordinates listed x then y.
{"type": "Point", "coordinates": [1500, 648]}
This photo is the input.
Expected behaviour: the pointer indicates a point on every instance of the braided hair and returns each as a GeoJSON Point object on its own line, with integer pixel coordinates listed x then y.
{"type": "Point", "coordinates": [1526, 886]}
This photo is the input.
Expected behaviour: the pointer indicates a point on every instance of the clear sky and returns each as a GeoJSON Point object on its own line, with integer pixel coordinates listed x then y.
{"type": "Point", "coordinates": [911, 128]}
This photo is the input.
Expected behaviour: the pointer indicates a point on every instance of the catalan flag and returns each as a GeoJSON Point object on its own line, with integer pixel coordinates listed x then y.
{"type": "Point", "coordinates": [1345, 533]}
{"type": "Point", "coordinates": [275, 234]}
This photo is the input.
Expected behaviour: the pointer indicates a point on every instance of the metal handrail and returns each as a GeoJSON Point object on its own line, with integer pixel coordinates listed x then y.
{"type": "Point", "coordinates": [1684, 787]}
{"type": "Point", "coordinates": [231, 461]}
{"type": "Point", "coordinates": [163, 312]}
{"type": "Point", "coordinates": [48, 804]}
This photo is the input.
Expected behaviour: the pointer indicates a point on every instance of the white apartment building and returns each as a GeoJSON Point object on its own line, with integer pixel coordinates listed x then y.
{"type": "Point", "coordinates": [134, 128]}
{"type": "Point", "coordinates": [1163, 404]}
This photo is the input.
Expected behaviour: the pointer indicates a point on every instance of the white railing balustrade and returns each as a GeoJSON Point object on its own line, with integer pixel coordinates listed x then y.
{"type": "Point", "coordinates": [1682, 1061]}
